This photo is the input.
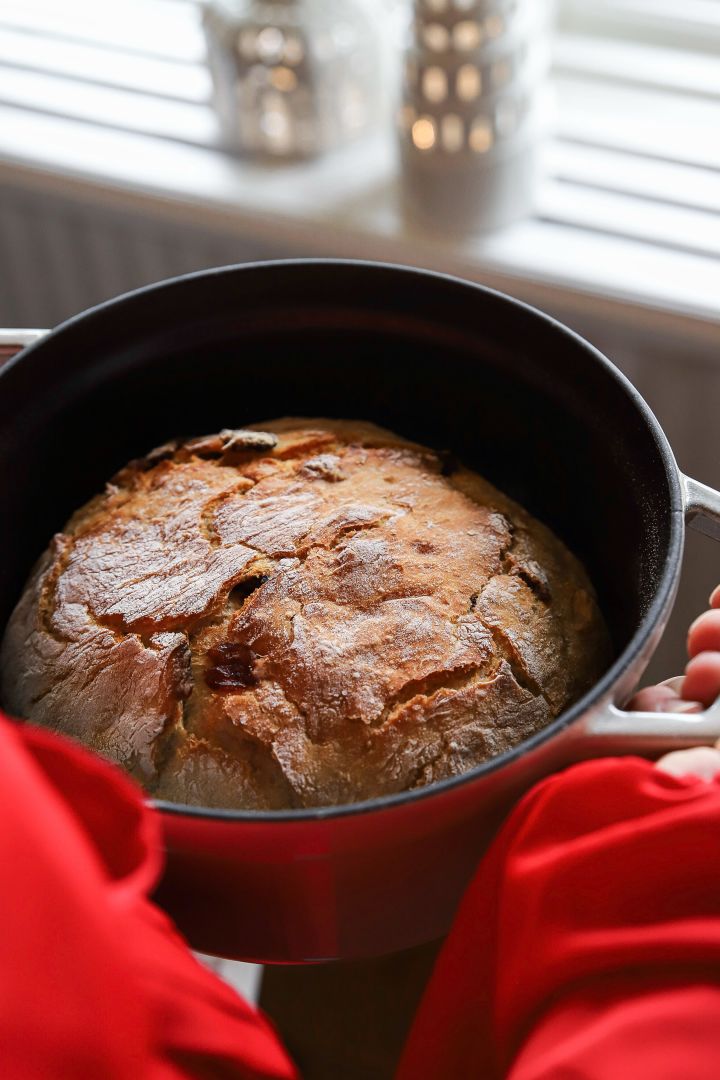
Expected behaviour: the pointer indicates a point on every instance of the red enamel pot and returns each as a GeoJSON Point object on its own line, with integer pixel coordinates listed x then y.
{"type": "Point", "coordinates": [513, 393]}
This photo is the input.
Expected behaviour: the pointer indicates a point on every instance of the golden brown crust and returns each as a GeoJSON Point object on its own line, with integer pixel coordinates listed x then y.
{"type": "Point", "coordinates": [302, 613]}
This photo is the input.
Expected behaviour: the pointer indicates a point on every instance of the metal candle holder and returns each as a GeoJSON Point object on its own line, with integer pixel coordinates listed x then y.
{"type": "Point", "coordinates": [471, 114]}
{"type": "Point", "coordinates": [292, 78]}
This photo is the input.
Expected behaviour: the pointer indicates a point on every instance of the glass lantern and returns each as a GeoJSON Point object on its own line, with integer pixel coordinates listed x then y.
{"type": "Point", "coordinates": [473, 112]}
{"type": "Point", "coordinates": [293, 78]}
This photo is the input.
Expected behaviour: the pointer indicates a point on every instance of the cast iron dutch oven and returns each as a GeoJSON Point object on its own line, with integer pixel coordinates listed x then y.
{"type": "Point", "coordinates": [514, 394]}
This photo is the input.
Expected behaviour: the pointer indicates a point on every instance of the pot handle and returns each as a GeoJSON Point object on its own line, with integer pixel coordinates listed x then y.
{"type": "Point", "coordinates": [702, 507]}
{"type": "Point", "coordinates": [14, 341]}
{"type": "Point", "coordinates": [611, 730]}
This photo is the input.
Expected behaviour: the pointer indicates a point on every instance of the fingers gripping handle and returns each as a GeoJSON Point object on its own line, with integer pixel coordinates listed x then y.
{"type": "Point", "coordinates": [611, 730]}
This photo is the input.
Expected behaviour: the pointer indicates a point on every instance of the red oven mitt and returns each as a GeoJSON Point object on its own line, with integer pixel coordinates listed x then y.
{"type": "Point", "coordinates": [94, 980]}
{"type": "Point", "coordinates": [588, 945]}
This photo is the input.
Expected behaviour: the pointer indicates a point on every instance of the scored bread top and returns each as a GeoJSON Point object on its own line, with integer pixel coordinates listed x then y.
{"type": "Point", "coordinates": [300, 613]}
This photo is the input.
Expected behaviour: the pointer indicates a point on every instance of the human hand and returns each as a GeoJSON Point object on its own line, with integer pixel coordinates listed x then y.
{"type": "Point", "coordinates": [690, 693]}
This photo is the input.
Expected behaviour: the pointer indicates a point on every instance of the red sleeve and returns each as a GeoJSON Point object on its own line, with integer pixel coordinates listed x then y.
{"type": "Point", "coordinates": [588, 945]}
{"type": "Point", "coordinates": [94, 980]}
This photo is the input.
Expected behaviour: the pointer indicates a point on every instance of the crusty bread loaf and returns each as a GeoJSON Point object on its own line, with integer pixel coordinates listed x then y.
{"type": "Point", "coordinates": [305, 613]}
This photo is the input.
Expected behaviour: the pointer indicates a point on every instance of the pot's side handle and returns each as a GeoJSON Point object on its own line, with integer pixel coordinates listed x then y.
{"type": "Point", "coordinates": [612, 730]}
{"type": "Point", "coordinates": [702, 507]}
{"type": "Point", "coordinates": [14, 341]}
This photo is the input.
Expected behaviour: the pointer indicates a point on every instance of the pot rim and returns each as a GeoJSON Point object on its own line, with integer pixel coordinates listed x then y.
{"type": "Point", "coordinates": [660, 604]}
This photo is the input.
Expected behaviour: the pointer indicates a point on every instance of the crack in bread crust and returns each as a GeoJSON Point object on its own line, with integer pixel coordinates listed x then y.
{"type": "Point", "coordinates": [378, 617]}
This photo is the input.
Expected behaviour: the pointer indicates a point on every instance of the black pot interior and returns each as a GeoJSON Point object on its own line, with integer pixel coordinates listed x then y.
{"type": "Point", "coordinates": [530, 406]}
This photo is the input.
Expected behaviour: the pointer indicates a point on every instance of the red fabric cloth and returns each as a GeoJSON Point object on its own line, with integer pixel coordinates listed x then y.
{"type": "Point", "coordinates": [588, 945]}
{"type": "Point", "coordinates": [94, 980]}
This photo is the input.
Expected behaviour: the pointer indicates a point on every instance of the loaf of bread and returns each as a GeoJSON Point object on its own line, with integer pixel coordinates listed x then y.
{"type": "Point", "coordinates": [302, 613]}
